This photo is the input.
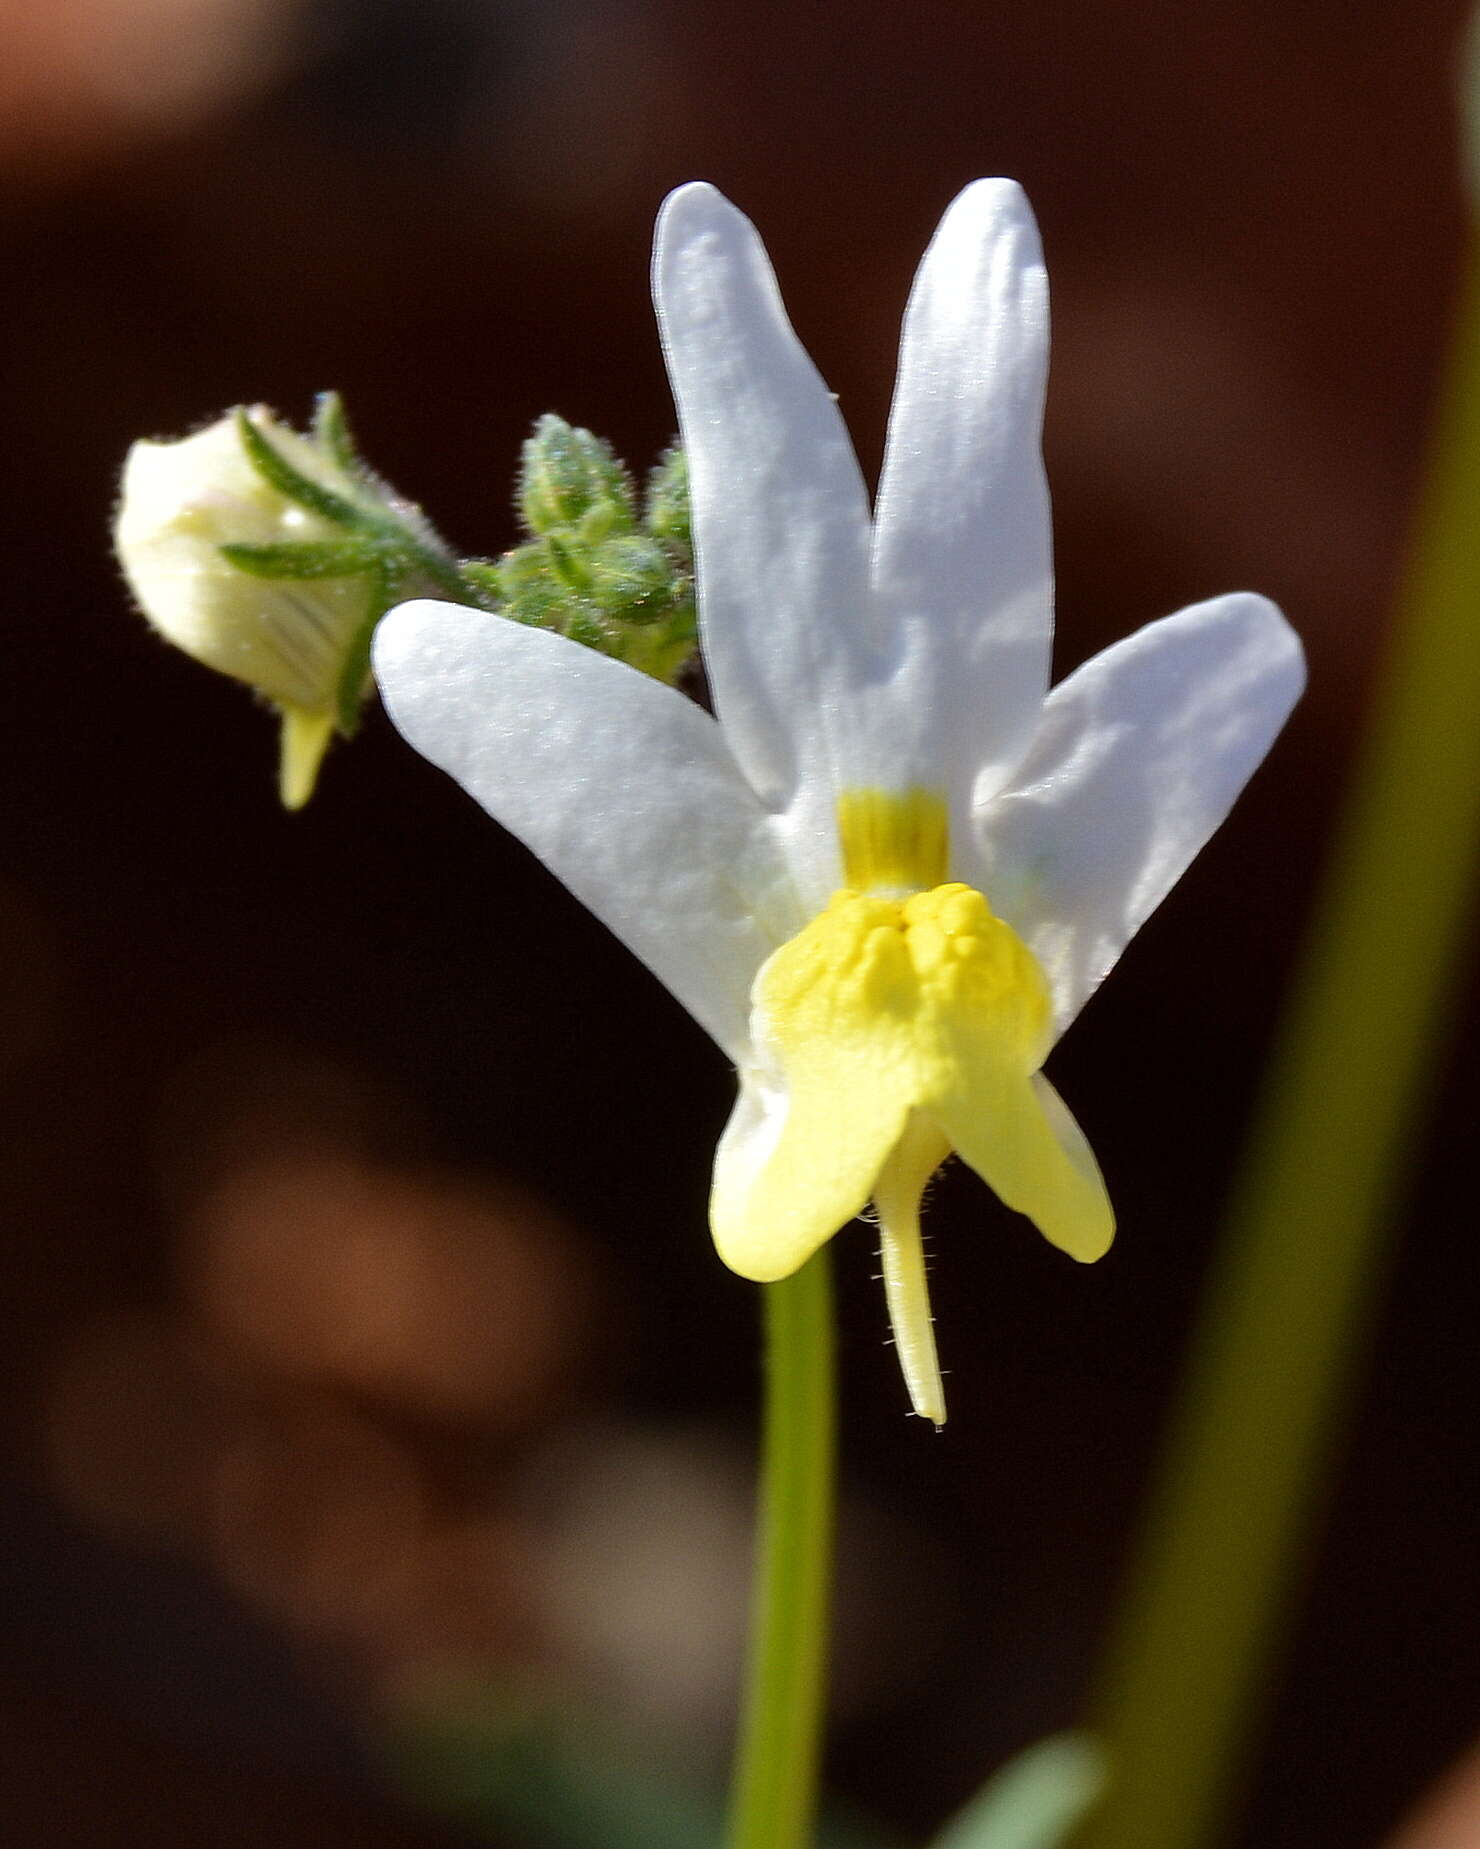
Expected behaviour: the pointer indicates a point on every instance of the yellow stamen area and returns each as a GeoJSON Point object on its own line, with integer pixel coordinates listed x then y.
{"type": "Point", "coordinates": [891, 842]}
{"type": "Point", "coordinates": [899, 1029]}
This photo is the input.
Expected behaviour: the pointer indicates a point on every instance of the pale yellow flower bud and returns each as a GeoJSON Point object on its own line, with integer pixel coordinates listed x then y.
{"type": "Point", "coordinates": [290, 637]}
{"type": "Point", "coordinates": [181, 503]}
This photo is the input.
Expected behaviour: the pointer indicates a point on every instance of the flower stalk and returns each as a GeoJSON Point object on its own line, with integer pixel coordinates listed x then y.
{"type": "Point", "coordinates": [773, 1796]}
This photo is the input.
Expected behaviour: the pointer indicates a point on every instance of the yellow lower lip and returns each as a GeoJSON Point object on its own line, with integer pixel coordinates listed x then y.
{"type": "Point", "coordinates": [893, 1030]}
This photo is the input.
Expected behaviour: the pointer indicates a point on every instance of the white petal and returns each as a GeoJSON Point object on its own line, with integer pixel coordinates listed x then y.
{"type": "Point", "coordinates": [781, 519]}
{"type": "Point", "coordinates": [1139, 757]}
{"type": "Point", "coordinates": [620, 785]}
{"type": "Point", "coordinates": [962, 550]}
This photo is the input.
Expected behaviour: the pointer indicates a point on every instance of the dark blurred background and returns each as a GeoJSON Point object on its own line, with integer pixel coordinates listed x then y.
{"type": "Point", "coordinates": [376, 1410]}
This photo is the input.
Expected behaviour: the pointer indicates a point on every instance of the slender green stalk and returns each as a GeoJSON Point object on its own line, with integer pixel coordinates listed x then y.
{"type": "Point", "coordinates": [773, 1799]}
{"type": "Point", "coordinates": [1289, 1303]}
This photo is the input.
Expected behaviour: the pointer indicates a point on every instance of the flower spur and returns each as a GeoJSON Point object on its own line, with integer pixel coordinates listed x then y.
{"type": "Point", "coordinates": [890, 871]}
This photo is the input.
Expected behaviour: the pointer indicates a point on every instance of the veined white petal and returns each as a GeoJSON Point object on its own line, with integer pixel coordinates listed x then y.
{"type": "Point", "coordinates": [1139, 757]}
{"type": "Point", "coordinates": [621, 786]}
{"type": "Point", "coordinates": [962, 555]}
{"type": "Point", "coordinates": [780, 511]}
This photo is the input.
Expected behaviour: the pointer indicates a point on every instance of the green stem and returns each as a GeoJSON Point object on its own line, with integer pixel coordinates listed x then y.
{"type": "Point", "coordinates": [1290, 1301]}
{"type": "Point", "coordinates": [773, 1797]}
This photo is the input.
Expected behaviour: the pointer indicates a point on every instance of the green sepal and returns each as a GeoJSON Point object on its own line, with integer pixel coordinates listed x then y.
{"type": "Point", "coordinates": [328, 558]}
{"type": "Point", "coordinates": [656, 652]}
{"type": "Point", "coordinates": [522, 568]}
{"type": "Point", "coordinates": [545, 605]}
{"type": "Point", "coordinates": [332, 434]}
{"type": "Point", "coordinates": [1035, 1801]}
{"type": "Point", "coordinates": [568, 565]}
{"type": "Point", "coordinates": [586, 625]}
{"type": "Point", "coordinates": [570, 478]}
{"type": "Point", "coordinates": [279, 473]}
{"type": "Point", "coordinates": [632, 579]}
{"type": "Point", "coordinates": [485, 579]}
{"type": "Point", "coordinates": [355, 675]}
{"type": "Point", "coordinates": [666, 512]}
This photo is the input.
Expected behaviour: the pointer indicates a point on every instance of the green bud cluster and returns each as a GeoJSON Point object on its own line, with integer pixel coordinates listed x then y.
{"type": "Point", "coordinates": [597, 566]}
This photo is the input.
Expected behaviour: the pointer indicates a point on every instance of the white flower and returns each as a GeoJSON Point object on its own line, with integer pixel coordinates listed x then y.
{"type": "Point", "coordinates": [890, 872]}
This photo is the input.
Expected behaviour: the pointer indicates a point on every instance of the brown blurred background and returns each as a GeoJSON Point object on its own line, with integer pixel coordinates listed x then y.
{"type": "Point", "coordinates": [370, 1380]}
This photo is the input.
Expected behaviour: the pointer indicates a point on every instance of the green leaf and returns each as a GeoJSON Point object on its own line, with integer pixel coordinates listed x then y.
{"type": "Point", "coordinates": [276, 470]}
{"type": "Point", "coordinates": [1035, 1801]}
{"type": "Point", "coordinates": [328, 558]}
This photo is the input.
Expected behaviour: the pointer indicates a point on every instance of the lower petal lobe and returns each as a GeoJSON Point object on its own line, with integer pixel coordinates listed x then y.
{"type": "Point", "coordinates": [880, 1019]}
